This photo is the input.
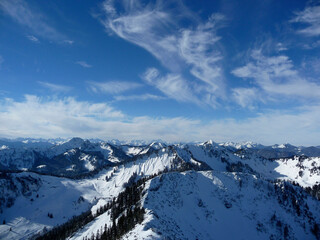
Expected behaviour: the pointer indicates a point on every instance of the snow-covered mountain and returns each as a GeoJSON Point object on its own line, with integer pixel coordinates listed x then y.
{"type": "Point", "coordinates": [187, 191]}
{"type": "Point", "coordinates": [64, 158]}
{"type": "Point", "coordinates": [242, 145]}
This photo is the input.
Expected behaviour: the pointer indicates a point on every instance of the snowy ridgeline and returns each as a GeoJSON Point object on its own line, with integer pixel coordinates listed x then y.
{"type": "Point", "coordinates": [78, 156]}
{"type": "Point", "coordinates": [190, 191]}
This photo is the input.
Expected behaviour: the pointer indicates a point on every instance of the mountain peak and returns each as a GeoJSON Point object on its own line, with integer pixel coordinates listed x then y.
{"type": "Point", "coordinates": [283, 146]}
{"type": "Point", "coordinates": [76, 140]}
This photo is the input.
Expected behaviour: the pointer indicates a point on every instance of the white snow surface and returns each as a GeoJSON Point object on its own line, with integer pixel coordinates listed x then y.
{"type": "Point", "coordinates": [212, 205]}
{"type": "Point", "coordinates": [241, 145]}
{"type": "Point", "coordinates": [306, 173]}
{"type": "Point", "coordinates": [132, 150]}
{"type": "Point", "coordinates": [3, 147]}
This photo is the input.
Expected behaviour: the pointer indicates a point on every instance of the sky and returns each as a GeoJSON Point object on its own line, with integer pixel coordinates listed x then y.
{"type": "Point", "coordinates": [176, 70]}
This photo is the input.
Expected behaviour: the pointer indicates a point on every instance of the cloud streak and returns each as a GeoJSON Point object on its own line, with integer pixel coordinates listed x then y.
{"type": "Point", "coordinates": [142, 97]}
{"type": "Point", "coordinates": [55, 87]}
{"type": "Point", "coordinates": [172, 85]}
{"type": "Point", "coordinates": [84, 64]}
{"type": "Point", "coordinates": [23, 14]}
{"type": "Point", "coordinates": [246, 97]}
{"type": "Point", "coordinates": [198, 49]}
{"type": "Point", "coordinates": [113, 87]}
{"type": "Point", "coordinates": [33, 38]}
{"type": "Point", "coordinates": [70, 42]}
{"type": "Point", "coordinates": [310, 16]}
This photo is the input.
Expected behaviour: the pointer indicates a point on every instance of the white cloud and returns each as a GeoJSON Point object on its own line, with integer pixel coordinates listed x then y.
{"type": "Point", "coordinates": [311, 17]}
{"type": "Point", "coordinates": [314, 65]}
{"type": "Point", "coordinates": [51, 117]}
{"type": "Point", "coordinates": [142, 97]}
{"type": "Point", "coordinates": [159, 30]}
{"type": "Point", "coordinates": [246, 97]}
{"type": "Point", "coordinates": [23, 14]}
{"type": "Point", "coordinates": [55, 87]}
{"type": "Point", "coordinates": [172, 85]}
{"type": "Point", "coordinates": [33, 38]}
{"type": "Point", "coordinates": [145, 26]}
{"type": "Point", "coordinates": [113, 87]}
{"type": "Point", "coordinates": [312, 45]}
{"type": "Point", "coordinates": [84, 64]}
{"type": "Point", "coordinates": [70, 42]}
{"type": "Point", "coordinates": [281, 47]}
{"type": "Point", "coordinates": [197, 48]}
{"type": "Point", "coordinates": [41, 117]}
{"type": "Point", "coordinates": [300, 127]}
{"type": "Point", "coordinates": [277, 77]}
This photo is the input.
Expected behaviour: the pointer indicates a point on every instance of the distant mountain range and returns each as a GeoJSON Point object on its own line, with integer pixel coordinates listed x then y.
{"type": "Point", "coordinates": [77, 155]}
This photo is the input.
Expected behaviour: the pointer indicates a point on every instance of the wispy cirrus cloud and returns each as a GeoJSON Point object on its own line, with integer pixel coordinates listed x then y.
{"type": "Point", "coordinates": [246, 97]}
{"type": "Point", "coordinates": [113, 87]}
{"type": "Point", "coordinates": [84, 64]}
{"type": "Point", "coordinates": [310, 16]}
{"type": "Point", "coordinates": [55, 87]}
{"type": "Point", "coordinates": [70, 42]}
{"type": "Point", "coordinates": [159, 30]}
{"type": "Point", "coordinates": [68, 117]}
{"type": "Point", "coordinates": [142, 97]}
{"type": "Point", "coordinates": [143, 25]}
{"type": "Point", "coordinates": [280, 47]}
{"type": "Point", "coordinates": [25, 15]}
{"type": "Point", "coordinates": [198, 49]}
{"type": "Point", "coordinates": [312, 45]}
{"type": "Point", "coordinates": [172, 85]}
{"type": "Point", "coordinates": [277, 77]}
{"type": "Point", "coordinates": [33, 38]}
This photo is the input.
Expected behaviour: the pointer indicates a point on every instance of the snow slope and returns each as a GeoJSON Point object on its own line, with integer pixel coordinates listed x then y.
{"type": "Point", "coordinates": [61, 197]}
{"type": "Point", "coordinates": [213, 205]}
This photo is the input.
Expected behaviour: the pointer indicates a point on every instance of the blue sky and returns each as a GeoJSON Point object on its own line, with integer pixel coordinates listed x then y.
{"type": "Point", "coordinates": [171, 70]}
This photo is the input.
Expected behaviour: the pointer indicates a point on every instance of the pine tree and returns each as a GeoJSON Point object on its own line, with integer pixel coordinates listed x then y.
{"type": "Point", "coordinates": [316, 230]}
{"type": "Point", "coordinates": [286, 232]}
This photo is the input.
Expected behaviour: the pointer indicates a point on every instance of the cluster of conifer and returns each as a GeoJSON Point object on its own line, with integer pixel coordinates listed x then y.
{"type": "Point", "coordinates": [125, 223]}
{"type": "Point", "coordinates": [314, 191]}
{"type": "Point", "coordinates": [65, 230]}
{"type": "Point", "coordinates": [125, 212]}
{"type": "Point", "coordinates": [293, 196]}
